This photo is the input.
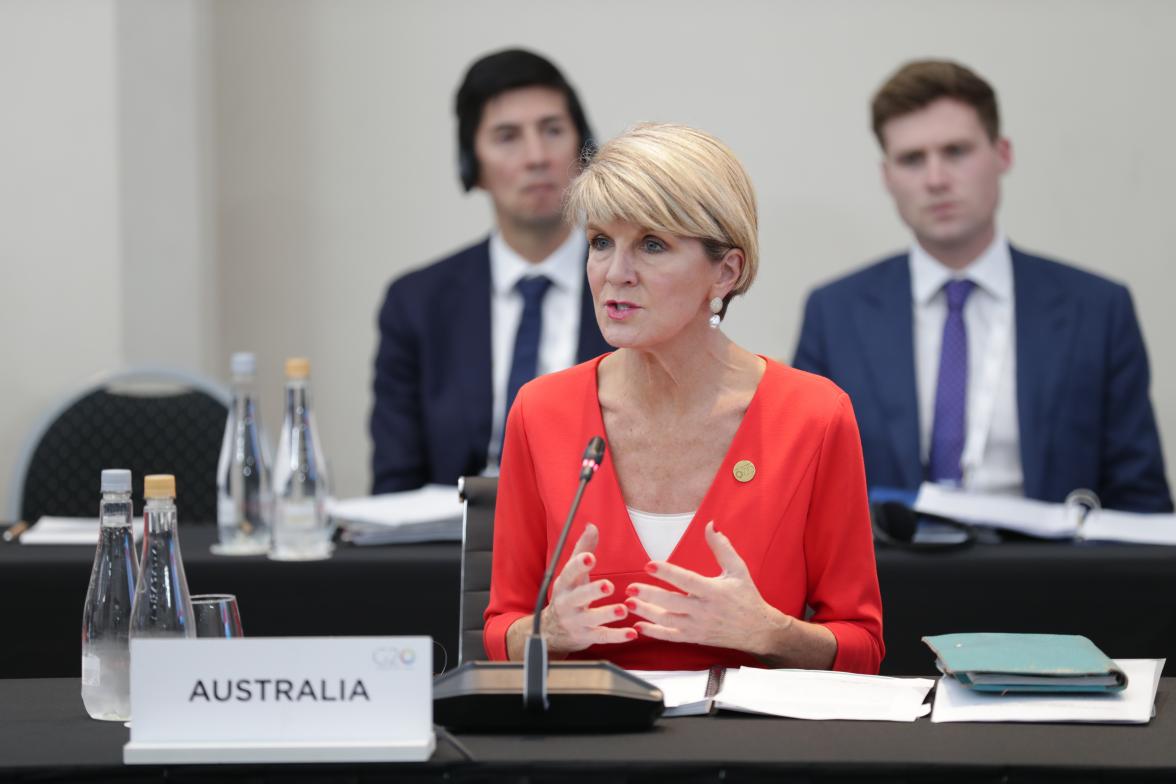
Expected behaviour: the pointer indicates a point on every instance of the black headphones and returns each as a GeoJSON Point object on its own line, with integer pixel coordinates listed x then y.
{"type": "Point", "coordinates": [467, 160]}
{"type": "Point", "coordinates": [467, 167]}
{"type": "Point", "coordinates": [895, 524]}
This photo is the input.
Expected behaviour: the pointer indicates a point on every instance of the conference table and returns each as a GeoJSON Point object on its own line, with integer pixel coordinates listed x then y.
{"type": "Point", "coordinates": [1123, 597]}
{"type": "Point", "coordinates": [45, 735]}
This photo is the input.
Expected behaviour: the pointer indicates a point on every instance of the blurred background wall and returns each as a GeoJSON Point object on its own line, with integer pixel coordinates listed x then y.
{"type": "Point", "coordinates": [182, 180]}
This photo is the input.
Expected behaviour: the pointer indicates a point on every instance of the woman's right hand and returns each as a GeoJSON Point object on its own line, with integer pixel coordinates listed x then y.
{"type": "Point", "coordinates": [567, 621]}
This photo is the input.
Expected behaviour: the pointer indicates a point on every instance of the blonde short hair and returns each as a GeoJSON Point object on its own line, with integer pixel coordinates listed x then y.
{"type": "Point", "coordinates": [674, 179]}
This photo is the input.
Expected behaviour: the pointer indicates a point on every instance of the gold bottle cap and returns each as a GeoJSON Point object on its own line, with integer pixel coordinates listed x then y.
{"type": "Point", "coordinates": [297, 367]}
{"type": "Point", "coordinates": [159, 486]}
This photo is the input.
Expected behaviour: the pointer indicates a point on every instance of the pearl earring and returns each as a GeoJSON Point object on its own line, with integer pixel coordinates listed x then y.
{"type": "Point", "coordinates": [716, 305]}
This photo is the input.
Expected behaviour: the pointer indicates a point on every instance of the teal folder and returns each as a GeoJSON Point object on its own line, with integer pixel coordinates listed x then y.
{"type": "Point", "coordinates": [986, 661]}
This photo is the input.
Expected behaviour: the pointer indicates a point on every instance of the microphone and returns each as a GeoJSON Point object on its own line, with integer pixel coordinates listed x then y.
{"type": "Point", "coordinates": [535, 654]}
{"type": "Point", "coordinates": [555, 696]}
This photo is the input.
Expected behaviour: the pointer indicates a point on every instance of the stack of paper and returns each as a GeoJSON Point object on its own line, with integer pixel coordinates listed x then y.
{"type": "Point", "coordinates": [430, 514]}
{"type": "Point", "coordinates": [798, 694]}
{"type": "Point", "coordinates": [1133, 705]}
{"type": "Point", "coordinates": [1108, 525]}
{"type": "Point", "coordinates": [69, 530]}
{"type": "Point", "coordinates": [1023, 515]}
{"type": "Point", "coordinates": [685, 692]}
{"type": "Point", "coordinates": [1045, 520]}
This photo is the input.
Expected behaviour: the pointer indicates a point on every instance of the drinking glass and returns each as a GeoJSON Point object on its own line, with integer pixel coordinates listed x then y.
{"type": "Point", "coordinates": [216, 615]}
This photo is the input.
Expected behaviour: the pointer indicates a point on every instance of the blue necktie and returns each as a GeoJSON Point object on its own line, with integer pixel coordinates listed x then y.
{"type": "Point", "coordinates": [525, 364]}
{"type": "Point", "coordinates": [951, 391]}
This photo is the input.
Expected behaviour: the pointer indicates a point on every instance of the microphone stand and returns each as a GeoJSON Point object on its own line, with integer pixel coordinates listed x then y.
{"type": "Point", "coordinates": [535, 654]}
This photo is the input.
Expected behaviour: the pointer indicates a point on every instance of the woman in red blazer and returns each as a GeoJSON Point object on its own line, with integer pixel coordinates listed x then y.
{"type": "Point", "coordinates": [728, 524]}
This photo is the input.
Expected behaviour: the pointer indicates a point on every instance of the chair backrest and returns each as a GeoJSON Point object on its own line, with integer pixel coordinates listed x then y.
{"type": "Point", "coordinates": [148, 420]}
{"type": "Point", "coordinates": [477, 543]}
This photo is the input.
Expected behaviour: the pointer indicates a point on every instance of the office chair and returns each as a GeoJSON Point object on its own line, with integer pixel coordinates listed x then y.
{"type": "Point", "coordinates": [150, 420]}
{"type": "Point", "coordinates": [479, 494]}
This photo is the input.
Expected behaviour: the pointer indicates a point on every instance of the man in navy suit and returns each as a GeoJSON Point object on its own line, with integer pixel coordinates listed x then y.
{"type": "Point", "coordinates": [458, 337]}
{"type": "Point", "coordinates": [969, 361]}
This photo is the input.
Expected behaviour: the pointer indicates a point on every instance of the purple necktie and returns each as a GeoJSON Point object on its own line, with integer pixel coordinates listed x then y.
{"type": "Point", "coordinates": [951, 391]}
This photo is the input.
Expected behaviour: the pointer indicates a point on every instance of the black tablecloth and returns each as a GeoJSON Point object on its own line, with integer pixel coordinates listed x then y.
{"type": "Point", "coordinates": [406, 589]}
{"type": "Point", "coordinates": [1121, 596]}
{"type": "Point", "coordinates": [45, 735]}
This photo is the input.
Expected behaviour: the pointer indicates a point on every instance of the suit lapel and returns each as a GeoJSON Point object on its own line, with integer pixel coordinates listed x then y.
{"type": "Point", "coordinates": [883, 322]}
{"type": "Point", "coordinates": [1044, 333]}
{"type": "Point", "coordinates": [471, 346]}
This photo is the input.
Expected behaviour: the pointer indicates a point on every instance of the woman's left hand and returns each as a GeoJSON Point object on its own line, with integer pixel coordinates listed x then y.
{"type": "Point", "coordinates": [726, 611]}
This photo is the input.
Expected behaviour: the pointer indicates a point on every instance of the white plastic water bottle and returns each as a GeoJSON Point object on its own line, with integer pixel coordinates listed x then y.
{"type": "Point", "coordinates": [163, 604]}
{"type": "Point", "coordinates": [302, 529]}
{"type": "Point", "coordinates": [243, 491]}
{"type": "Point", "coordinates": [106, 617]}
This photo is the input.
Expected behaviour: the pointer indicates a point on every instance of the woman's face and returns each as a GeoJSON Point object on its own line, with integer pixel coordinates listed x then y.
{"type": "Point", "coordinates": [650, 287]}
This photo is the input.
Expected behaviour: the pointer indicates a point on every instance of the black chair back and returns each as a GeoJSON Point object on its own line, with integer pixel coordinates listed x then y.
{"type": "Point", "coordinates": [176, 434]}
{"type": "Point", "coordinates": [477, 543]}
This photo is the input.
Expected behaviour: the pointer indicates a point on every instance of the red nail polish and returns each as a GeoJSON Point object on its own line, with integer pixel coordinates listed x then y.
{"type": "Point", "coordinates": [632, 590]}
{"type": "Point", "coordinates": [587, 559]}
{"type": "Point", "coordinates": [631, 604]}
{"type": "Point", "coordinates": [605, 588]}
{"type": "Point", "coordinates": [651, 567]}
{"type": "Point", "coordinates": [631, 634]}
{"type": "Point", "coordinates": [620, 612]}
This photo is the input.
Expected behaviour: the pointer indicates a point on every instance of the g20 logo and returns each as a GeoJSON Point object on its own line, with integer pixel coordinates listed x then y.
{"type": "Point", "coordinates": [392, 658]}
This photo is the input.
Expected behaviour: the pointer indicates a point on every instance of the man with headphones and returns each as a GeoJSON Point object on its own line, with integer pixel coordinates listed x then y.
{"type": "Point", "coordinates": [460, 336]}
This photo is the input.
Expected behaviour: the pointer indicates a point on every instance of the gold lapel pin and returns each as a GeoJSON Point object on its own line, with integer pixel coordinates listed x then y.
{"type": "Point", "coordinates": [744, 470]}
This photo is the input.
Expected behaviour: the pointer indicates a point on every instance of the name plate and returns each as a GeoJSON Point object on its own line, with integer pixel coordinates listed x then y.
{"type": "Point", "coordinates": [281, 699]}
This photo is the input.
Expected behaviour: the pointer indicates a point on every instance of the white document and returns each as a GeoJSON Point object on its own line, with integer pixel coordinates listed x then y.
{"type": "Point", "coordinates": [430, 514]}
{"type": "Point", "coordinates": [1133, 705]}
{"type": "Point", "coordinates": [684, 692]}
{"type": "Point", "coordinates": [1109, 525]}
{"type": "Point", "coordinates": [1023, 515]}
{"type": "Point", "coordinates": [1045, 520]}
{"type": "Point", "coordinates": [797, 694]}
{"type": "Point", "coordinates": [69, 530]}
{"type": "Point", "coordinates": [818, 694]}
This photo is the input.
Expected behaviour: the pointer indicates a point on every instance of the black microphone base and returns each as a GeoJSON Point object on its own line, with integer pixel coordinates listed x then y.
{"type": "Point", "coordinates": [582, 696]}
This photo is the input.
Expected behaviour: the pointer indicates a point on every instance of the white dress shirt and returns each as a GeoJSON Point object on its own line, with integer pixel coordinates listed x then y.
{"type": "Point", "coordinates": [659, 533]}
{"type": "Point", "coordinates": [561, 314]}
{"type": "Point", "coordinates": [992, 453]}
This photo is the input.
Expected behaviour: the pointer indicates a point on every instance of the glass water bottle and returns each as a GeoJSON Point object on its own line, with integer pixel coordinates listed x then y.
{"type": "Point", "coordinates": [243, 492]}
{"type": "Point", "coordinates": [302, 530]}
{"type": "Point", "coordinates": [163, 606]}
{"type": "Point", "coordinates": [106, 617]}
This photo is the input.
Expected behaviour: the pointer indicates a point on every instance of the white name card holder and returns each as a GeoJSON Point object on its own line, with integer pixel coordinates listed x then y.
{"type": "Point", "coordinates": [281, 699]}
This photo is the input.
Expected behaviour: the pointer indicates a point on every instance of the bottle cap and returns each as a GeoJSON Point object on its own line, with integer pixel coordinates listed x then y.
{"type": "Point", "coordinates": [297, 367]}
{"type": "Point", "coordinates": [116, 480]}
{"type": "Point", "coordinates": [159, 486]}
{"type": "Point", "coordinates": [243, 363]}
